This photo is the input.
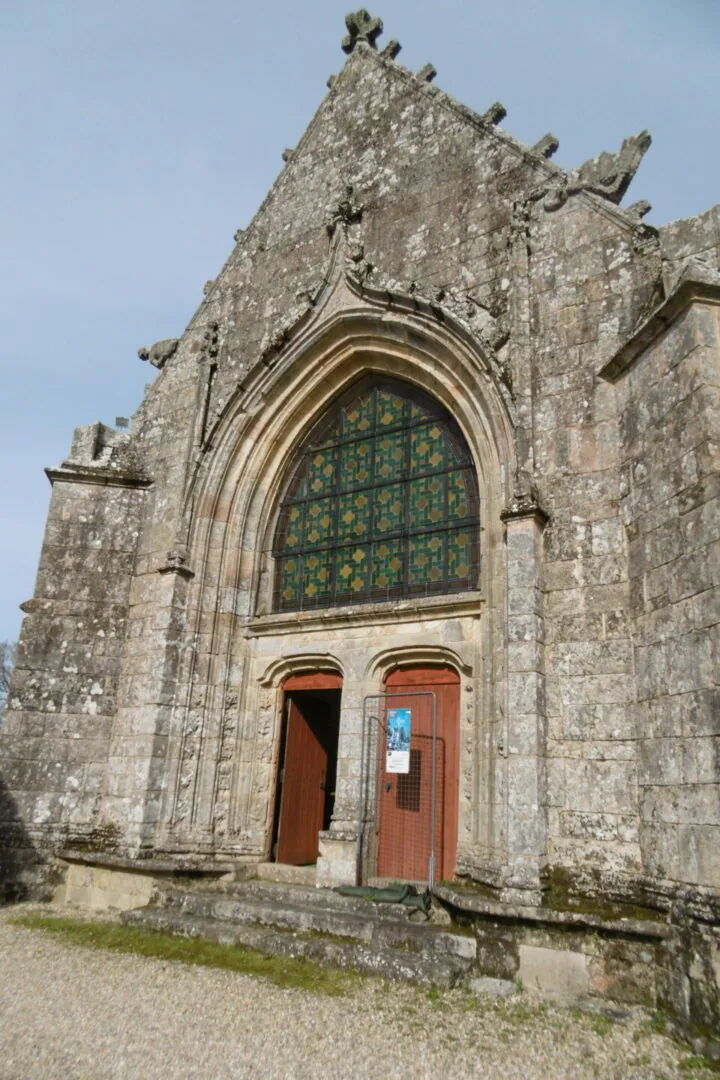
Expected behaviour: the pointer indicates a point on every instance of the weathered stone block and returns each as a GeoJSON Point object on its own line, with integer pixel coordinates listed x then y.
{"type": "Point", "coordinates": [552, 971]}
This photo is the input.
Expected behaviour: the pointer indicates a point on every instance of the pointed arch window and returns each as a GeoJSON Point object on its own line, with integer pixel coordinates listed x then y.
{"type": "Point", "coordinates": [382, 503]}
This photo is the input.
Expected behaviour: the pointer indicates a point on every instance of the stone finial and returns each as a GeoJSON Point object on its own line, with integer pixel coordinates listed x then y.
{"type": "Point", "coordinates": [391, 50]}
{"type": "Point", "coordinates": [525, 501]}
{"type": "Point", "coordinates": [159, 354]}
{"type": "Point", "coordinates": [495, 114]}
{"type": "Point", "coordinates": [427, 73]}
{"type": "Point", "coordinates": [344, 210]}
{"type": "Point", "coordinates": [211, 342]}
{"type": "Point", "coordinates": [361, 26]}
{"type": "Point", "coordinates": [547, 146]}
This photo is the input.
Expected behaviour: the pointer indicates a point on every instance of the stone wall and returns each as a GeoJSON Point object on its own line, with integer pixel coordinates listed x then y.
{"type": "Point", "coordinates": [671, 508]}
{"type": "Point", "coordinates": [58, 726]}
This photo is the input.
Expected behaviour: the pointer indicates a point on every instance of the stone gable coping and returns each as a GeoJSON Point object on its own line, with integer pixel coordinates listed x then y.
{"type": "Point", "coordinates": [697, 284]}
{"type": "Point", "coordinates": [555, 185]}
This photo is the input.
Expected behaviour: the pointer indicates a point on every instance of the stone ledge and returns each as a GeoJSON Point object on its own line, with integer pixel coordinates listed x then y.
{"type": "Point", "coordinates": [457, 604]}
{"type": "Point", "coordinates": [99, 475]}
{"type": "Point", "coordinates": [146, 866]}
{"type": "Point", "coordinates": [480, 905]}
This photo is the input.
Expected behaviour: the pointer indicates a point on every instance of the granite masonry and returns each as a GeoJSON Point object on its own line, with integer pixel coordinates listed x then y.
{"type": "Point", "coordinates": [409, 242]}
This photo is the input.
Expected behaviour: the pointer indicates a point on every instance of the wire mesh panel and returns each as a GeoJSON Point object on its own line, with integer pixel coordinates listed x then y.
{"type": "Point", "coordinates": [405, 802]}
{"type": "Point", "coordinates": [401, 774]}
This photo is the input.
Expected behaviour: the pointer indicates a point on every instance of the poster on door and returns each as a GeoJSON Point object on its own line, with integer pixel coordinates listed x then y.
{"type": "Point", "coordinates": [397, 756]}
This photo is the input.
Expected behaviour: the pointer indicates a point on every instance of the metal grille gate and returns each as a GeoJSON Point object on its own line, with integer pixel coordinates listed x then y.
{"type": "Point", "coordinates": [398, 812]}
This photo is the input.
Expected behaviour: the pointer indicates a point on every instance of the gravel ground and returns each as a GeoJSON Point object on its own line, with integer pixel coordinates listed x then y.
{"type": "Point", "coordinates": [78, 1014]}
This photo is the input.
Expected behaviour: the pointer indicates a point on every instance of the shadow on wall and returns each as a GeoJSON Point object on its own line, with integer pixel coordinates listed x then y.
{"type": "Point", "coordinates": [19, 859]}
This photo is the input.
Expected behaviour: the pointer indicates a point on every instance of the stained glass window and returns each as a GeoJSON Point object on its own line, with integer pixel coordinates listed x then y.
{"type": "Point", "coordinates": [382, 503]}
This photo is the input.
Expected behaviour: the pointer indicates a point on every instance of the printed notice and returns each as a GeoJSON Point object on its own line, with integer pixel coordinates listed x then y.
{"type": "Point", "coordinates": [397, 758]}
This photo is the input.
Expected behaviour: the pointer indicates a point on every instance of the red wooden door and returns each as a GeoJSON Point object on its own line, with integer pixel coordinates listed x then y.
{"type": "Point", "coordinates": [304, 782]}
{"type": "Point", "coordinates": [405, 799]}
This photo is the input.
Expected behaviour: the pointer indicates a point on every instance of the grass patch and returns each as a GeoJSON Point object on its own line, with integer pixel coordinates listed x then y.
{"type": "Point", "coordinates": [697, 1065]}
{"type": "Point", "coordinates": [284, 971]}
{"type": "Point", "coordinates": [602, 1025]}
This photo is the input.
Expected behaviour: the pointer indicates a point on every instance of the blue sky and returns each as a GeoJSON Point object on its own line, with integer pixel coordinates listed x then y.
{"type": "Point", "coordinates": [139, 136]}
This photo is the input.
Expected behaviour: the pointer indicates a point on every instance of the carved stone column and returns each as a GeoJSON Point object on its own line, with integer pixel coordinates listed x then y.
{"type": "Point", "coordinates": [526, 800]}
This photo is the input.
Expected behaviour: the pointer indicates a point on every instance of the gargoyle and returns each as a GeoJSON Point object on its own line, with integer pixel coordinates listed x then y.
{"type": "Point", "coordinates": [160, 352]}
{"type": "Point", "coordinates": [608, 175]}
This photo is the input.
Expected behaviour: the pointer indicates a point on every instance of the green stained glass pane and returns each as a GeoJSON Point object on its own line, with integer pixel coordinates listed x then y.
{"type": "Point", "coordinates": [360, 415]}
{"type": "Point", "coordinates": [294, 527]}
{"type": "Point", "coordinates": [459, 548]}
{"type": "Point", "coordinates": [418, 412]}
{"type": "Point", "coordinates": [321, 472]}
{"type": "Point", "coordinates": [316, 578]}
{"type": "Point", "coordinates": [458, 496]}
{"type": "Point", "coordinates": [354, 515]}
{"type": "Point", "coordinates": [387, 509]}
{"type": "Point", "coordinates": [383, 501]}
{"type": "Point", "coordinates": [318, 522]}
{"type": "Point", "coordinates": [351, 571]}
{"type": "Point", "coordinates": [390, 409]}
{"type": "Point", "coordinates": [290, 573]}
{"type": "Point", "coordinates": [356, 464]}
{"type": "Point", "coordinates": [427, 501]}
{"type": "Point", "coordinates": [426, 558]}
{"type": "Point", "coordinates": [390, 456]}
{"type": "Point", "coordinates": [427, 448]}
{"type": "Point", "coordinates": [387, 565]}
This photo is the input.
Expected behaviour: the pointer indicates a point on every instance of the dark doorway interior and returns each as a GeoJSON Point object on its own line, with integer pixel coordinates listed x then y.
{"type": "Point", "coordinates": [306, 782]}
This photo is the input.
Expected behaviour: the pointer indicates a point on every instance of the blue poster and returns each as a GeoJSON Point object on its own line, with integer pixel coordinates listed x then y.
{"type": "Point", "coordinates": [397, 758]}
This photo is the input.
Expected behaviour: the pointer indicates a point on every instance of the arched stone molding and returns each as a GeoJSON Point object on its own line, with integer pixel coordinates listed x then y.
{"type": "Point", "coordinates": [246, 478]}
{"type": "Point", "coordinates": [234, 503]}
{"type": "Point", "coordinates": [280, 669]}
{"type": "Point", "coordinates": [415, 656]}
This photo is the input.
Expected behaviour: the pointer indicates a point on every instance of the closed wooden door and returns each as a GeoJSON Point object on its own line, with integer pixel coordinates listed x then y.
{"type": "Point", "coordinates": [405, 799]}
{"type": "Point", "coordinates": [309, 766]}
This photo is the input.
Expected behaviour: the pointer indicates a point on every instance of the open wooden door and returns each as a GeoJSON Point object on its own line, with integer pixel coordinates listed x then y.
{"type": "Point", "coordinates": [307, 777]}
{"type": "Point", "coordinates": [405, 799]}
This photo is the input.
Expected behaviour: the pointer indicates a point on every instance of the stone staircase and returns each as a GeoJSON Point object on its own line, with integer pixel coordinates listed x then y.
{"type": "Point", "coordinates": [317, 924]}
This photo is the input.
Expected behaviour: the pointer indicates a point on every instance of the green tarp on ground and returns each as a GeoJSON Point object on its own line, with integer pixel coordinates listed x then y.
{"type": "Point", "coordinates": [389, 894]}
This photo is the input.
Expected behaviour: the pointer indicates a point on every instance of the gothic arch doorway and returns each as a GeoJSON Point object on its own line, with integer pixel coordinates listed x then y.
{"type": "Point", "coordinates": [305, 792]}
{"type": "Point", "coordinates": [404, 841]}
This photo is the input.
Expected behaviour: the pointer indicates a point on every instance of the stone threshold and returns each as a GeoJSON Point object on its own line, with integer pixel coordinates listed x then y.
{"type": "Point", "coordinates": [474, 904]}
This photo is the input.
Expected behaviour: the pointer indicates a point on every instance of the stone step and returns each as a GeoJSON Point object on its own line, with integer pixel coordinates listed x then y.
{"type": "Point", "coordinates": [318, 911]}
{"type": "Point", "coordinates": [305, 896]}
{"type": "Point", "coordinates": [441, 971]}
{"type": "Point", "coordinates": [290, 875]}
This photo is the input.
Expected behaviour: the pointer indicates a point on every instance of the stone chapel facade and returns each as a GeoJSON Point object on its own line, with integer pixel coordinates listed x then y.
{"type": "Point", "coordinates": [445, 423]}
